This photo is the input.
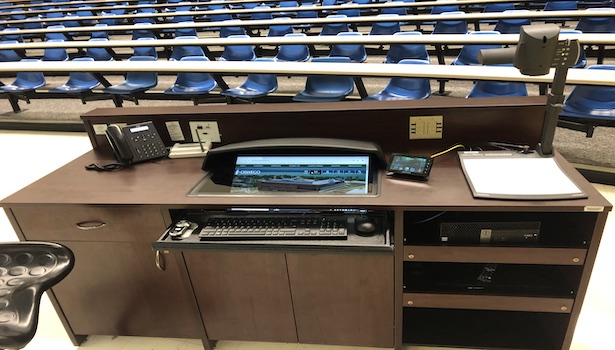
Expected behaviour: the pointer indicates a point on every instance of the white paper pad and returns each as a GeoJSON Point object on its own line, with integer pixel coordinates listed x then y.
{"type": "Point", "coordinates": [510, 175]}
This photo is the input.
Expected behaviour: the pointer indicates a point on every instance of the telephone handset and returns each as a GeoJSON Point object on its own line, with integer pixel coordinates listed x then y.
{"type": "Point", "coordinates": [136, 143]}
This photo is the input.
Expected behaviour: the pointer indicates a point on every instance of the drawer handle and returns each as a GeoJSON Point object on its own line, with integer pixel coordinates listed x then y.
{"type": "Point", "coordinates": [160, 260]}
{"type": "Point", "coordinates": [90, 225]}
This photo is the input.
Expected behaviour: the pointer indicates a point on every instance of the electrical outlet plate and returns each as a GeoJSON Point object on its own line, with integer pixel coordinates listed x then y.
{"type": "Point", "coordinates": [427, 127]}
{"type": "Point", "coordinates": [207, 131]}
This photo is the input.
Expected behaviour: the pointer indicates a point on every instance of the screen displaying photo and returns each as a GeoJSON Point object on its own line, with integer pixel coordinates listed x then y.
{"type": "Point", "coordinates": [328, 174]}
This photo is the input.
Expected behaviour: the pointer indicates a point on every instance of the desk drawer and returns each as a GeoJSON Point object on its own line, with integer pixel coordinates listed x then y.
{"type": "Point", "coordinates": [91, 223]}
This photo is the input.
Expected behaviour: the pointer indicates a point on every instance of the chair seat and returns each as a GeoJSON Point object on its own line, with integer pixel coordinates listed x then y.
{"type": "Point", "coordinates": [27, 269]}
{"type": "Point", "coordinates": [67, 89]}
{"type": "Point", "coordinates": [247, 92]}
{"type": "Point", "coordinates": [321, 96]}
{"type": "Point", "coordinates": [127, 88]}
{"type": "Point", "coordinates": [16, 88]}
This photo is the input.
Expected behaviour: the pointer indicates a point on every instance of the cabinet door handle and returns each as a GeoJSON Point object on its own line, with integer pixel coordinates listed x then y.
{"type": "Point", "coordinates": [160, 262]}
{"type": "Point", "coordinates": [90, 225]}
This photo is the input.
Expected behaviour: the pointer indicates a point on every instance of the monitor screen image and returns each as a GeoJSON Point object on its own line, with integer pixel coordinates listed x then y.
{"type": "Point", "coordinates": [318, 174]}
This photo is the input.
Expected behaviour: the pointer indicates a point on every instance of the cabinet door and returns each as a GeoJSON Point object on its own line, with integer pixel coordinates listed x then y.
{"type": "Point", "coordinates": [116, 289]}
{"type": "Point", "coordinates": [344, 299]}
{"type": "Point", "coordinates": [243, 295]}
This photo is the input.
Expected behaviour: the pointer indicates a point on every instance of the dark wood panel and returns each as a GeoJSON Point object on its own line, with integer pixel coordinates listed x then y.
{"type": "Point", "coordinates": [488, 302]}
{"type": "Point", "coordinates": [515, 120]}
{"type": "Point", "coordinates": [344, 299]}
{"type": "Point", "coordinates": [116, 289]}
{"type": "Point", "coordinates": [556, 256]}
{"type": "Point", "coordinates": [243, 295]}
{"type": "Point", "coordinates": [94, 223]}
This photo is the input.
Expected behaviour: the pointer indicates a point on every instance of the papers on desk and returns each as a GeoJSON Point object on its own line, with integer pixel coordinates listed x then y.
{"type": "Point", "coordinates": [511, 175]}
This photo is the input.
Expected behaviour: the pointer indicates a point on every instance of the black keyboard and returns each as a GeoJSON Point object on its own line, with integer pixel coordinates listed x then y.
{"type": "Point", "coordinates": [275, 227]}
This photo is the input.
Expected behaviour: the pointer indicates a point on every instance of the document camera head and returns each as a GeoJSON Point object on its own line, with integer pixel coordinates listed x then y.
{"type": "Point", "coordinates": [536, 52]}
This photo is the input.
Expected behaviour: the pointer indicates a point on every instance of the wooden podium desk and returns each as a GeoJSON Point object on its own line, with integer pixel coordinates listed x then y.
{"type": "Point", "coordinates": [410, 288]}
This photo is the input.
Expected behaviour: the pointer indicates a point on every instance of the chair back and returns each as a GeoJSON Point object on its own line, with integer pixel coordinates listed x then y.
{"type": "Point", "coordinates": [451, 26]}
{"type": "Point", "coordinates": [9, 55]}
{"type": "Point", "coordinates": [193, 82]}
{"type": "Point", "coordinates": [512, 25]}
{"type": "Point", "coordinates": [294, 53]}
{"type": "Point", "coordinates": [34, 267]}
{"type": "Point", "coordinates": [385, 28]}
{"type": "Point", "coordinates": [142, 79]}
{"type": "Point", "coordinates": [400, 11]}
{"type": "Point", "coordinates": [29, 80]}
{"type": "Point", "coordinates": [398, 52]}
{"type": "Point", "coordinates": [323, 88]}
{"type": "Point", "coordinates": [280, 29]}
{"type": "Point", "coordinates": [79, 81]}
{"type": "Point", "coordinates": [145, 50]}
{"type": "Point", "coordinates": [596, 102]}
{"type": "Point", "coordinates": [334, 28]}
{"type": "Point", "coordinates": [405, 88]}
{"type": "Point", "coordinates": [227, 31]}
{"type": "Point", "coordinates": [55, 54]}
{"type": "Point", "coordinates": [597, 24]}
{"type": "Point", "coordinates": [184, 51]}
{"type": "Point", "coordinates": [469, 53]}
{"type": "Point", "coordinates": [99, 53]}
{"type": "Point", "coordinates": [560, 6]}
{"type": "Point", "coordinates": [356, 52]}
{"type": "Point", "coordinates": [497, 89]}
{"type": "Point", "coordinates": [238, 52]}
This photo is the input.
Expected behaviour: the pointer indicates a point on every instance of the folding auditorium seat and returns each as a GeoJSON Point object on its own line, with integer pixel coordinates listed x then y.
{"type": "Point", "coordinates": [404, 88]}
{"type": "Point", "coordinates": [24, 84]}
{"type": "Point", "coordinates": [497, 89]}
{"type": "Point", "coordinates": [398, 52]}
{"type": "Point", "coordinates": [293, 53]}
{"type": "Point", "coordinates": [179, 52]}
{"type": "Point", "coordinates": [79, 83]}
{"type": "Point", "coordinates": [238, 52]}
{"type": "Point", "coordinates": [280, 29]}
{"type": "Point", "coordinates": [334, 28]}
{"type": "Point", "coordinates": [587, 107]}
{"type": "Point", "coordinates": [135, 82]}
{"type": "Point", "coordinates": [192, 84]}
{"type": "Point", "coordinates": [385, 27]}
{"type": "Point", "coordinates": [255, 86]}
{"type": "Point", "coordinates": [54, 54]}
{"type": "Point", "coordinates": [307, 11]}
{"type": "Point", "coordinates": [356, 52]}
{"type": "Point", "coordinates": [511, 25]}
{"type": "Point", "coordinates": [326, 88]}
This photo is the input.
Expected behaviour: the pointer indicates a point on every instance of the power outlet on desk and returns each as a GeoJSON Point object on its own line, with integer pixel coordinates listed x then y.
{"type": "Point", "coordinates": [205, 131]}
{"type": "Point", "coordinates": [428, 127]}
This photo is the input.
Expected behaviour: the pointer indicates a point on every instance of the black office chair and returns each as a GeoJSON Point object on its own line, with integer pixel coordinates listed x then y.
{"type": "Point", "coordinates": [27, 269]}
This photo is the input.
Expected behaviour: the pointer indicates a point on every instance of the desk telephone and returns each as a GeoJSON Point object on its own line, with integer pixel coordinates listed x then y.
{"type": "Point", "coordinates": [136, 143]}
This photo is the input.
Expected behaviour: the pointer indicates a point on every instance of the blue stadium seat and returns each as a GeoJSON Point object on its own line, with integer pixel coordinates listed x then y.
{"type": "Point", "coordinates": [135, 82]}
{"type": "Point", "coordinates": [398, 52]}
{"type": "Point", "coordinates": [25, 83]}
{"type": "Point", "coordinates": [497, 89]}
{"type": "Point", "coordinates": [450, 26]}
{"type": "Point", "coordinates": [591, 105]}
{"type": "Point", "coordinates": [404, 88]}
{"type": "Point", "coordinates": [9, 55]}
{"type": "Point", "coordinates": [100, 34]}
{"type": "Point", "coordinates": [99, 53]}
{"type": "Point", "coordinates": [78, 82]}
{"type": "Point", "coordinates": [283, 5]}
{"type": "Point", "coordinates": [227, 31]}
{"type": "Point", "coordinates": [401, 11]}
{"type": "Point", "coordinates": [469, 53]}
{"type": "Point", "coordinates": [55, 54]}
{"type": "Point", "coordinates": [261, 15]}
{"type": "Point", "coordinates": [356, 52]}
{"type": "Point", "coordinates": [142, 30]}
{"type": "Point", "coordinates": [280, 29]}
{"type": "Point", "coordinates": [293, 53]}
{"type": "Point", "coordinates": [255, 86]}
{"type": "Point", "coordinates": [326, 88]}
{"type": "Point", "coordinates": [334, 28]}
{"type": "Point", "coordinates": [238, 52]}
{"type": "Point", "coordinates": [10, 34]}
{"type": "Point", "coordinates": [385, 28]}
{"type": "Point", "coordinates": [145, 50]}
{"type": "Point", "coordinates": [511, 25]}
{"type": "Point", "coordinates": [307, 11]}
{"type": "Point", "coordinates": [192, 83]}
{"type": "Point", "coordinates": [597, 24]}
{"type": "Point", "coordinates": [495, 8]}
{"type": "Point", "coordinates": [56, 35]}
{"type": "Point", "coordinates": [179, 52]}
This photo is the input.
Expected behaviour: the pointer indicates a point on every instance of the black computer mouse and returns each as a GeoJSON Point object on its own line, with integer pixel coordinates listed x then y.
{"type": "Point", "coordinates": [365, 226]}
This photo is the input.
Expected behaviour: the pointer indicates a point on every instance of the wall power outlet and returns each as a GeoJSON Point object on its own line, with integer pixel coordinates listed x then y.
{"type": "Point", "coordinates": [205, 131]}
